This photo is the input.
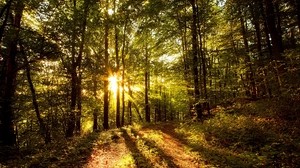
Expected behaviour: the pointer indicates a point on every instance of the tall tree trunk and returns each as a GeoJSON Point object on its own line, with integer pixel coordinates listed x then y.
{"type": "Point", "coordinates": [106, 60]}
{"type": "Point", "coordinates": [275, 35]}
{"type": "Point", "coordinates": [71, 115]}
{"type": "Point", "coordinates": [118, 124]}
{"type": "Point", "coordinates": [8, 82]}
{"type": "Point", "coordinates": [79, 68]}
{"type": "Point", "coordinates": [79, 103]}
{"type": "Point", "coordinates": [250, 73]}
{"type": "Point", "coordinates": [265, 24]}
{"type": "Point", "coordinates": [278, 25]}
{"type": "Point", "coordinates": [160, 103]}
{"type": "Point", "coordinates": [44, 131]}
{"type": "Point", "coordinates": [147, 106]}
{"type": "Point", "coordinates": [96, 111]}
{"type": "Point", "coordinates": [130, 103]}
{"type": "Point", "coordinates": [186, 61]}
{"type": "Point", "coordinates": [195, 61]}
{"type": "Point", "coordinates": [123, 71]}
{"type": "Point", "coordinates": [203, 59]}
{"type": "Point", "coordinates": [255, 19]}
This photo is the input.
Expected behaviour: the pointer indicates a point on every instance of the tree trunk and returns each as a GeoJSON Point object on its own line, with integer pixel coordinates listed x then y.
{"type": "Point", "coordinates": [195, 61]}
{"type": "Point", "coordinates": [95, 120]}
{"type": "Point", "coordinates": [79, 69]}
{"type": "Point", "coordinates": [79, 103]}
{"type": "Point", "coordinates": [123, 72]}
{"type": "Point", "coordinates": [147, 106]}
{"type": "Point", "coordinates": [95, 113]}
{"type": "Point", "coordinates": [203, 60]}
{"type": "Point", "coordinates": [44, 131]}
{"type": "Point", "coordinates": [106, 60]}
{"type": "Point", "coordinates": [275, 35]}
{"type": "Point", "coordinates": [118, 124]}
{"type": "Point", "coordinates": [278, 25]}
{"type": "Point", "coordinates": [248, 63]}
{"type": "Point", "coordinates": [71, 115]}
{"type": "Point", "coordinates": [266, 31]}
{"type": "Point", "coordinates": [130, 103]}
{"type": "Point", "coordinates": [255, 20]}
{"type": "Point", "coordinates": [8, 82]}
{"type": "Point", "coordinates": [186, 61]}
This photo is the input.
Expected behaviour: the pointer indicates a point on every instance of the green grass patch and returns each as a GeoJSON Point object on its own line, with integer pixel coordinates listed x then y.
{"type": "Point", "coordinates": [125, 162]}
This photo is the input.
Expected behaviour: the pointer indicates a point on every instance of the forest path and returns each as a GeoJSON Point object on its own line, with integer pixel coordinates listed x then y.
{"type": "Point", "coordinates": [149, 146]}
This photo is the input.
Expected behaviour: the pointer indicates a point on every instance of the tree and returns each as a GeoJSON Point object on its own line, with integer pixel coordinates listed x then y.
{"type": "Point", "coordinates": [276, 41]}
{"type": "Point", "coordinates": [76, 71]}
{"type": "Point", "coordinates": [117, 69]}
{"type": "Point", "coordinates": [195, 60]}
{"type": "Point", "coordinates": [106, 60]}
{"type": "Point", "coordinates": [44, 130]}
{"type": "Point", "coordinates": [147, 105]}
{"type": "Point", "coordinates": [8, 79]}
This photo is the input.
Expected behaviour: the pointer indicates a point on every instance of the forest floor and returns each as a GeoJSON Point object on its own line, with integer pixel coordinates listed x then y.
{"type": "Point", "coordinates": [263, 133]}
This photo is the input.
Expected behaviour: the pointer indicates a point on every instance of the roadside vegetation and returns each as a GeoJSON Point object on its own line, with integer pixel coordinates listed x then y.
{"type": "Point", "coordinates": [241, 133]}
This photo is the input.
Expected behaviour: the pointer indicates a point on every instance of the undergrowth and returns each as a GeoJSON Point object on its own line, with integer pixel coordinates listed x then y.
{"type": "Point", "coordinates": [63, 153]}
{"type": "Point", "coordinates": [263, 133]}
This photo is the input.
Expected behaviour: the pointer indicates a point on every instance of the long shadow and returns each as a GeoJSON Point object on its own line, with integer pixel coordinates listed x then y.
{"type": "Point", "coordinates": [80, 153]}
{"type": "Point", "coordinates": [139, 159]}
{"type": "Point", "coordinates": [151, 144]}
{"type": "Point", "coordinates": [68, 155]}
{"type": "Point", "coordinates": [212, 156]}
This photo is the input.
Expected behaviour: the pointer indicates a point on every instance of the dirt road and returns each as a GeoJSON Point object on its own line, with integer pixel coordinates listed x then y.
{"type": "Point", "coordinates": [152, 146]}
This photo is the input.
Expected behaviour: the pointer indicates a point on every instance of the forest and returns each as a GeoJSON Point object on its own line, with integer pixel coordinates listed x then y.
{"type": "Point", "coordinates": [150, 83]}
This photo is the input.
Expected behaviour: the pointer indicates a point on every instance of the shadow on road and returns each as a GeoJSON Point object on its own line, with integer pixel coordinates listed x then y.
{"type": "Point", "coordinates": [139, 159]}
{"type": "Point", "coordinates": [213, 156]}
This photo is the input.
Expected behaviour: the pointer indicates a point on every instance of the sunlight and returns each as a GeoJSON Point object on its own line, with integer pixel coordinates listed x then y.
{"type": "Point", "coordinates": [113, 83]}
{"type": "Point", "coordinates": [110, 12]}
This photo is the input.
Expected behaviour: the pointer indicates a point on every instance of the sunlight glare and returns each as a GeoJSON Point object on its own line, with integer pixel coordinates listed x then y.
{"type": "Point", "coordinates": [113, 83]}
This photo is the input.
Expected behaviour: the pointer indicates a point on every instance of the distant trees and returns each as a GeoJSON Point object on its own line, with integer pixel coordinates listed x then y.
{"type": "Point", "coordinates": [267, 28]}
